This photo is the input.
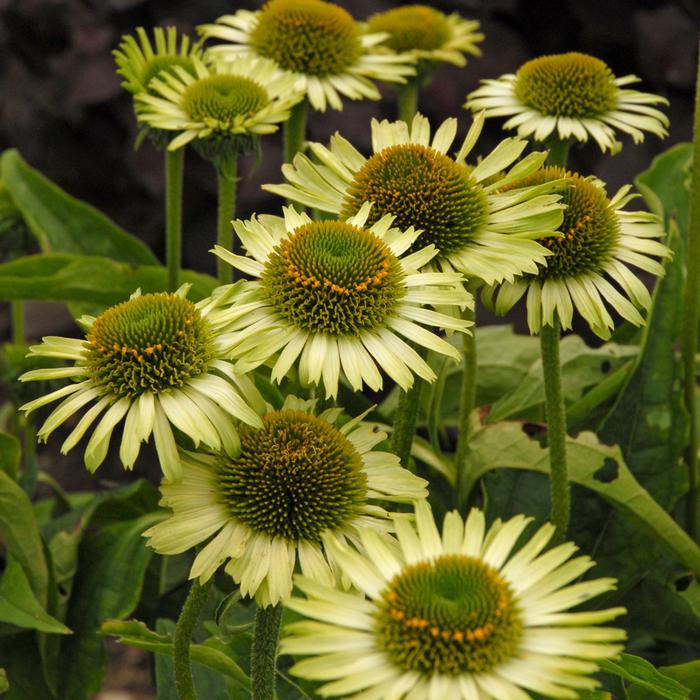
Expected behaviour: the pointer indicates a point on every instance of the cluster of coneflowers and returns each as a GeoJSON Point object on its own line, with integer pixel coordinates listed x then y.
{"type": "Point", "coordinates": [298, 496]}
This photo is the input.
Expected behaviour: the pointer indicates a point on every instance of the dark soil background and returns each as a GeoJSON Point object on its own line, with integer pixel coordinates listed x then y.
{"type": "Point", "coordinates": [62, 106]}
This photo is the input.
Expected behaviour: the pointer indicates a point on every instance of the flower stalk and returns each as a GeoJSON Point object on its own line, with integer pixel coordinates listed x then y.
{"type": "Point", "coordinates": [226, 181]}
{"type": "Point", "coordinates": [467, 401]}
{"type": "Point", "coordinates": [183, 636]}
{"type": "Point", "coordinates": [556, 425]}
{"type": "Point", "coordinates": [691, 316]}
{"type": "Point", "coordinates": [295, 130]}
{"type": "Point", "coordinates": [18, 321]}
{"type": "Point", "coordinates": [408, 100]}
{"type": "Point", "coordinates": [174, 168]}
{"type": "Point", "coordinates": [264, 654]}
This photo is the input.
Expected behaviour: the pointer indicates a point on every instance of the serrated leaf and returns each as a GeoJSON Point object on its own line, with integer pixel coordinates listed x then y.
{"type": "Point", "coordinates": [19, 606]}
{"type": "Point", "coordinates": [641, 673]}
{"type": "Point", "coordinates": [98, 281]}
{"type": "Point", "coordinates": [63, 224]}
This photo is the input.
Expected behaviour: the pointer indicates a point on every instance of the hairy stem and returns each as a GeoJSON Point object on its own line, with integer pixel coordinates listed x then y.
{"type": "Point", "coordinates": [226, 180]}
{"type": "Point", "coordinates": [183, 637]}
{"type": "Point", "coordinates": [174, 168]}
{"type": "Point", "coordinates": [263, 666]}
{"type": "Point", "coordinates": [556, 426]}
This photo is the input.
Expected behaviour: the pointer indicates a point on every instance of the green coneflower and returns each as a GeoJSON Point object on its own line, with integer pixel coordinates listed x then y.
{"type": "Point", "coordinates": [222, 108]}
{"type": "Point", "coordinates": [153, 361]}
{"type": "Point", "coordinates": [296, 477]}
{"type": "Point", "coordinates": [571, 96]}
{"type": "Point", "coordinates": [476, 229]}
{"type": "Point", "coordinates": [318, 44]}
{"type": "Point", "coordinates": [338, 295]}
{"type": "Point", "coordinates": [599, 240]}
{"type": "Point", "coordinates": [427, 33]}
{"type": "Point", "coordinates": [456, 616]}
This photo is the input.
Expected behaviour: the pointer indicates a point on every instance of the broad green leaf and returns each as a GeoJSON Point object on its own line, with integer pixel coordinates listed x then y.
{"type": "Point", "coordinates": [20, 533]}
{"type": "Point", "coordinates": [112, 564]}
{"type": "Point", "coordinates": [688, 674]}
{"type": "Point", "coordinates": [641, 673]}
{"type": "Point", "coordinates": [88, 279]}
{"type": "Point", "coordinates": [208, 683]}
{"type": "Point", "coordinates": [18, 604]}
{"type": "Point", "coordinates": [10, 452]}
{"type": "Point", "coordinates": [595, 466]}
{"type": "Point", "coordinates": [209, 653]}
{"type": "Point", "coordinates": [63, 224]}
{"type": "Point", "coordinates": [4, 685]}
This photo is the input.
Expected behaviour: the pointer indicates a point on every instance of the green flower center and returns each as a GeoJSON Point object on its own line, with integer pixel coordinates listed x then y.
{"type": "Point", "coordinates": [412, 27]}
{"type": "Point", "coordinates": [154, 342]}
{"type": "Point", "coordinates": [296, 477]}
{"type": "Point", "coordinates": [449, 616]}
{"type": "Point", "coordinates": [220, 100]}
{"type": "Point", "coordinates": [423, 188]}
{"type": "Point", "coordinates": [567, 85]}
{"type": "Point", "coordinates": [307, 36]}
{"type": "Point", "coordinates": [158, 64]}
{"type": "Point", "coordinates": [590, 227]}
{"type": "Point", "coordinates": [331, 277]}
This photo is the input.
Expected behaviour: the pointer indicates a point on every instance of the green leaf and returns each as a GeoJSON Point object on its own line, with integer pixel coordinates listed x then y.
{"type": "Point", "coordinates": [687, 674]}
{"type": "Point", "coordinates": [111, 569]}
{"type": "Point", "coordinates": [641, 673]}
{"type": "Point", "coordinates": [209, 653]}
{"type": "Point", "coordinates": [18, 604]}
{"type": "Point", "coordinates": [595, 466]}
{"type": "Point", "coordinates": [4, 684]}
{"type": "Point", "coordinates": [22, 663]}
{"type": "Point", "coordinates": [63, 224]}
{"type": "Point", "coordinates": [96, 280]}
{"type": "Point", "coordinates": [20, 533]}
{"type": "Point", "coordinates": [10, 452]}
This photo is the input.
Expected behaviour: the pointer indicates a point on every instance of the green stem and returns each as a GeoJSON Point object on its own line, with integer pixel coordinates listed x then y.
{"type": "Point", "coordinates": [691, 317]}
{"type": "Point", "coordinates": [183, 637]}
{"type": "Point", "coordinates": [558, 152]}
{"type": "Point", "coordinates": [556, 425]}
{"type": "Point", "coordinates": [18, 322]}
{"type": "Point", "coordinates": [467, 401]}
{"type": "Point", "coordinates": [174, 168]}
{"type": "Point", "coordinates": [408, 101]}
{"type": "Point", "coordinates": [405, 422]}
{"type": "Point", "coordinates": [226, 180]}
{"type": "Point", "coordinates": [263, 666]}
{"type": "Point", "coordinates": [295, 130]}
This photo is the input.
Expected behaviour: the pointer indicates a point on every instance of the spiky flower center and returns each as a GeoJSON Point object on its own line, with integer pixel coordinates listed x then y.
{"type": "Point", "coordinates": [296, 477]}
{"type": "Point", "coordinates": [307, 36]}
{"type": "Point", "coordinates": [220, 100]}
{"type": "Point", "coordinates": [158, 64]}
{"type": "Point", "coordinates": [567, 85]}
{"type": "Point", "coordinates": [153, 342]}
{"type": "Point", "coordinates": [331, 277]}
{"type": "Point", "coordinates": [590, 227]}
{"type": "Point", "coordinates": [452, 615]}
{"type": "Point", "coordinates": [422, 188]}
{"type": "Point", "coordinates": [412, 27]}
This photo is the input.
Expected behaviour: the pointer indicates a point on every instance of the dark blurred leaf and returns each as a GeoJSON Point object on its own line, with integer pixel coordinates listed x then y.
{"type": "Point", "coordinates": [18, 604]}
{"type": "Point", "coordinates": [63, 224]}
{"type": "Point", "coordinates": [10, 452]}
{"type": "Point", "coordinates": [4, 685]}
{"type": "Point", "coordinates": [642, 674]}
{"type": "Point", "coordinates": [22, 663]}
{"type": "Point", "coordinates": [95, 280]}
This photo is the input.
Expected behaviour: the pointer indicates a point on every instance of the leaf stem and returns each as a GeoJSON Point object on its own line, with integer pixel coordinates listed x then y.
{"type": "Point", "coordinates": [556, 425]}
{"type": "Point", "coordinates": [263, 663]}
{"type": "Point", "coordinates": [691, 317]}
{"type": "Point", "coordinates": [18, 322]}
{"type": "Point", "coordinates": [408, 100]}
{"type": "Point", "coordinates": [295, 130]}
{"type": "Point", "coordinates": [174, 169]}
{"type": "Point", "coordinates": [183, 636]}
{"type": "Point", "coordinates": [467, 400]}
{"type": "Point", "coordinates": [226, 181]}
